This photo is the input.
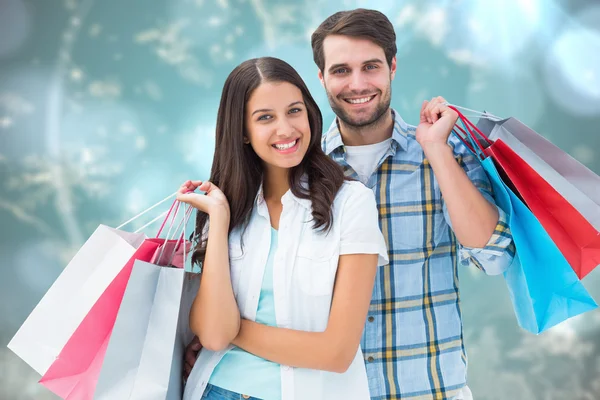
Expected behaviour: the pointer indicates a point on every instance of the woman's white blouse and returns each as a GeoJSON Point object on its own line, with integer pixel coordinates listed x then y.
{"type": "Point", "coordinates": [304, 271]}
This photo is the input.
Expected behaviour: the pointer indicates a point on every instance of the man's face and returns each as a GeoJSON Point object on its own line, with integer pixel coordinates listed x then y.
{"type": "Point", "coordinates": [357, 79]}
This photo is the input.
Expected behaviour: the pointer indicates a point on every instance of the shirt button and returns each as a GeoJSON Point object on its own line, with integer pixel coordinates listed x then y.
{"type": "Point", "coordinates": [371, 319]}
{"type": "Point", "coordinates": [245, 396]}
{"type": "Point", "coordinates": [370, 359]}
{"type": "Point", "coordinates": [286, 368]}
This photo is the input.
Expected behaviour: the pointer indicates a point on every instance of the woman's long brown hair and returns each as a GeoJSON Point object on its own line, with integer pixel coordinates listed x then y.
{"type": "Point", "coordinates": [238, 171]}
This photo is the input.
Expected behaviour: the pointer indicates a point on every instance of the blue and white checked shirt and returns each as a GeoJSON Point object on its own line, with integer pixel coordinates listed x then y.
{"type": "Point", "coordinates": [413, 339]}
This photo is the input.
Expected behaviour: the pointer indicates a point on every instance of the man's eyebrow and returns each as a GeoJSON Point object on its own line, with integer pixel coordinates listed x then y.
{"type": "Point", "coordinates": [370, 61]}
{"type": "Point", "coordinates": [373, 61]}
{"type": "Point", "coordinates": [336, 66]}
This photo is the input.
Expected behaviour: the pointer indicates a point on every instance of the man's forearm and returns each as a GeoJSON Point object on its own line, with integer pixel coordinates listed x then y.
{"type": "Point", "coordinates": [473, 218]}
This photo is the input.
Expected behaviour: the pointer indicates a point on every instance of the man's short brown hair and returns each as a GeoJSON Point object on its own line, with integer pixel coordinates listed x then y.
{"type": "Point", "coordinates": [360, 23]}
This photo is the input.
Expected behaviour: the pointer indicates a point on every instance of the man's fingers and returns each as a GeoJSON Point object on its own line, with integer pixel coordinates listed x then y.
{"type": "Point", "coordinates": [423, 108]}
{"type": "Point", "coordinates": [190, 357]}
{"type": "Point", "coordinates": [429, 110]}
{"type": "Point", "coordinates": [435, 112]}
{"type": "Point", "coordinates": [196, 346]}
{"type": "Point", "coordinates": [187, 368]}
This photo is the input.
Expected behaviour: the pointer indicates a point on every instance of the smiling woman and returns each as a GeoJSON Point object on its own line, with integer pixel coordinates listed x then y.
{"type": "Point", "coordinates": [277, 125]}
{"type": "Point", "coordinates": [265, 103]}
{"type": "Point", "coordinates": [290, 254]}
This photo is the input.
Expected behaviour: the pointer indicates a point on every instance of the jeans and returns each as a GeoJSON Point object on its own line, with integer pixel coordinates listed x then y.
{"type": "Point", "coordinates": [216, 393]}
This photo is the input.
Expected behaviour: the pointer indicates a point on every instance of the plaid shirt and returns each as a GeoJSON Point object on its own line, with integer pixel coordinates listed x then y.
{"type": "Point", "coordinates": [413, 338]}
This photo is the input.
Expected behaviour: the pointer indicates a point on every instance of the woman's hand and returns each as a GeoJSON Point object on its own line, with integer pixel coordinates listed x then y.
{"type": "Point", "coordinates": [212, 202]}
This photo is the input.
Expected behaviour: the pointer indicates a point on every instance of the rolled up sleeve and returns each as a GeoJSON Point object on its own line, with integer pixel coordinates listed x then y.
{"type": "Point", "coordinates": [496, 256]}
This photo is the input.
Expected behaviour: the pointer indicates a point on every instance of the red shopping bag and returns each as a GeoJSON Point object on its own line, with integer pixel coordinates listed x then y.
{"type": "Point", "coordinates": [575, 237]}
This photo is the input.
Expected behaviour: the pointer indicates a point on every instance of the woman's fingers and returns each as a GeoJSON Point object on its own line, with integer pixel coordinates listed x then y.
{"type": "Point", "coordinates": [189, 186]}
{"type": "Point", "coordinates": [206, 186]}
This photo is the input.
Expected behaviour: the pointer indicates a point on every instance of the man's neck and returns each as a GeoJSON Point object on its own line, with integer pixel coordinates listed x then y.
{"type": "Point", "coordinates": [376, 132]}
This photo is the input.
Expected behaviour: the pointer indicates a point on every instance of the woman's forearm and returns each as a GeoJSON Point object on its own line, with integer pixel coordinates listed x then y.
{"type": "Point", "coordinates": [314, 350]}
{"type": "Point", "coordinates": [336, 347]}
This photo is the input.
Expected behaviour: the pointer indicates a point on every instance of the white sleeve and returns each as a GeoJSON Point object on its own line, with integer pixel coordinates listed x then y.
{"type": "Point", "coordinates": [360, 232]}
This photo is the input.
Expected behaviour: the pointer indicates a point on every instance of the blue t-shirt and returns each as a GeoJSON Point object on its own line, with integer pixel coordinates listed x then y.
{"type": "Point", "coordinates": [245, 373]}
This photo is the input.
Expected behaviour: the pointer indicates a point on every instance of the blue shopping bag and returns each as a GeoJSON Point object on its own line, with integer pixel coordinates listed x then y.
{"type": "Point", "coordinates": [543, 287]}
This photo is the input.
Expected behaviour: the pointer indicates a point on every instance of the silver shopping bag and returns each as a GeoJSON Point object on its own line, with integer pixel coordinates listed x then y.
{"type": "Point", "coordinates": [144, 359]}
{"type": "Point", "coordinates": [571, 179]}
{"type": "Point", "coordinates": [566, 199]}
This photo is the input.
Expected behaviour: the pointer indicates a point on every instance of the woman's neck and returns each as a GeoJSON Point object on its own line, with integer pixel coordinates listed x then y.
{"type": "Point", "coordinates": [275, 183]}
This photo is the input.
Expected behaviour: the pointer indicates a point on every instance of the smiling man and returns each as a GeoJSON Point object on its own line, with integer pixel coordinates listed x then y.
{"type": "Point", "coordinates": [436, 211]}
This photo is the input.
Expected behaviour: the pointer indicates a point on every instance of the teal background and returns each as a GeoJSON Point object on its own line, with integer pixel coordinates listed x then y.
{"type": "Point", "coordinates": [107, 106]}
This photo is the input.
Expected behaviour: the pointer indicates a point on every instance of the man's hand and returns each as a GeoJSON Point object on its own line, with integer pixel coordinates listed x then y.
{"type": "Point", "coordinates": [436, 123]}
{"type": "Point", "coordinates": [191, 353]}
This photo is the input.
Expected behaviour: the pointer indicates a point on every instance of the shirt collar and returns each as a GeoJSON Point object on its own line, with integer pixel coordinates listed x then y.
{"type": "Point", "coordinates": [333, 138]}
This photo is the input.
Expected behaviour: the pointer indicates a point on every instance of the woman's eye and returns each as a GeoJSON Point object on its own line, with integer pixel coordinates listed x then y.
{"type": "Point", "coordinates": [264, 118]}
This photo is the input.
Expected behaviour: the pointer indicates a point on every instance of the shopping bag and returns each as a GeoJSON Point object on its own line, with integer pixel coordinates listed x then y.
{"type": "Point", "coordinates": [144, 359]}
{"type": "Point", "coordinates": [543, 288]}
{"type": "Point", "coordinates": [538, 183]}
{"type": "Point", "coordinates": [575, 237]}
{"type": "Point", "coordinates": [574, 181]}
{"type": "Point", "coordinates": [74, 373]}
{"type": "Point", "coordinates": [62, 309]}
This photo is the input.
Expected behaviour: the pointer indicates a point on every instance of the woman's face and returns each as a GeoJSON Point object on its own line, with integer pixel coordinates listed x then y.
{"type": "Point", "coordinates": [277, 124]}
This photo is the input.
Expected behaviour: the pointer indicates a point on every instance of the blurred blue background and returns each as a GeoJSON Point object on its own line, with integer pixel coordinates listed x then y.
{"type": "Point", "coordinates": [107, 106]}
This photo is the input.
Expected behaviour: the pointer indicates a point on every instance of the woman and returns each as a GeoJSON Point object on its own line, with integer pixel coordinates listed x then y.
{"type": "Point", "coordinates": [289, 250]}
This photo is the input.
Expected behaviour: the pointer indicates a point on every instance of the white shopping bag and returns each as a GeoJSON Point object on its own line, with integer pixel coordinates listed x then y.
{"type": "Point", "coordinates": [58, 314]}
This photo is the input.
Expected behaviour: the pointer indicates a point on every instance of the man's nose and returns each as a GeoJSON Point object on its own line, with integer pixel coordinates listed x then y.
{"type": "Point", "coordinates": [357, 82]}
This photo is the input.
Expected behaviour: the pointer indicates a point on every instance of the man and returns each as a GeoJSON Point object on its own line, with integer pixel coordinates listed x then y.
{"type": "Point", "coordinates": [435, 209]}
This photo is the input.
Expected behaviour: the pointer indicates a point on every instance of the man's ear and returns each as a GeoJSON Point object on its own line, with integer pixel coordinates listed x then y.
{"type": "Point", "coordinates": [321, 79]}
{"type": "Point", "coordinates": [393, 68]}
